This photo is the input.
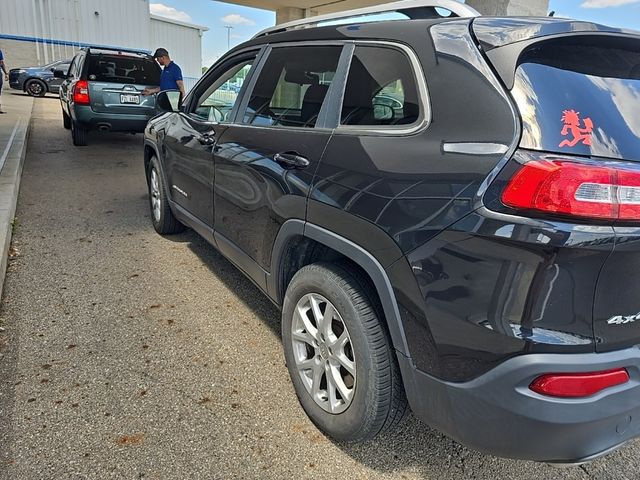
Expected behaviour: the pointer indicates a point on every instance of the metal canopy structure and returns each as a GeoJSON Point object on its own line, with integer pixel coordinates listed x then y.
{"type": "Point", "coordinates": [411, 8]}
{"type": "Point", "coordinates": [289, 10]}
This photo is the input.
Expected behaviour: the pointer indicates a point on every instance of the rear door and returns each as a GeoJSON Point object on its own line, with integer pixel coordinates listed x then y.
{"type": "Point", "coordinates": [116, 82]}
{"type": "Point", "coordinates": [265, 161]}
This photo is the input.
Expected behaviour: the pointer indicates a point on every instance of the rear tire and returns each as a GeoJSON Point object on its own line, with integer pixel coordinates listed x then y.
{"type": "Point", "coordinates": [164, 222]}
{"type": "Point", "coordinates": [35, 88]}
{"type": "Point", "coordinates": [66, 120]}
{"type": "Point", "coordinates": [78, 135]}
{"type": "Point", "coordinates": [348, 407]}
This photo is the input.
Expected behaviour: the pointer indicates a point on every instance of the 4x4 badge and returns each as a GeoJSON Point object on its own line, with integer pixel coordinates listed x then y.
{"type": "Point", "coordinates": [622, 319]}
{"type": "Point", "coordinates": [571, 120]}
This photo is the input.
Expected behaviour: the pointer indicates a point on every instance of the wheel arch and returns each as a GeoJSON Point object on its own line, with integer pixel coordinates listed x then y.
{"type": "Point", "coordinates": [27, 80]}
{"type": "Point", "coordinates": [150, 150]}
{"type": "Point", "coordinates": [303, 238]}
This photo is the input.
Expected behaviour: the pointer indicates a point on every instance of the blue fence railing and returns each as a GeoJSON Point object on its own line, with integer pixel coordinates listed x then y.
{"type": "Point", "coordinates": [189, 82]}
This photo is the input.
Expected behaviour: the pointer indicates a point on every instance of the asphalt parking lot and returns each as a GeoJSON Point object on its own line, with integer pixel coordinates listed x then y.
{"type": "Point", "coordinates": [132, 356]}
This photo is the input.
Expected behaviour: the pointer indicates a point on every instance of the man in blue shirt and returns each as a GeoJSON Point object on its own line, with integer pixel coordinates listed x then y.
{"type": "Point", "coordinates": [171, 76]}
{"type": "Point", "coordinates": [6, 76]}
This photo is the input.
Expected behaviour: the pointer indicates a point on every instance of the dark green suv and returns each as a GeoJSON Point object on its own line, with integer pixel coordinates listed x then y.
{"type": "Point", "coordinates": [103, 91]}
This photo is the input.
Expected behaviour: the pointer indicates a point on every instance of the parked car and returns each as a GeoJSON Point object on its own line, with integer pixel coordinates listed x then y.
{"type": "Point", "coordinates": [103, 91]}
{"type": "Point", "coordinates": [38, 81]}
{"type": "Point", "coordinates": [473, 254]}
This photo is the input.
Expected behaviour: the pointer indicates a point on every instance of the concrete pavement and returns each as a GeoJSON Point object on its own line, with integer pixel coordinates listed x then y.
{"type": "Point", "coordinates": [14, 127]}
{"type": "Point", "coordinates": [127, 355]}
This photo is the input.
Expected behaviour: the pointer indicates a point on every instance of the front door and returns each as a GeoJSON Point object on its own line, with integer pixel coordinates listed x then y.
{"type": "Point", "coordinates": [265, 161]}
{"type": "Point", "coordinates": [194, 135]}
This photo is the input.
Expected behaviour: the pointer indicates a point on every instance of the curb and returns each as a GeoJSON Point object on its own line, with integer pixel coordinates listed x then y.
{"type": "Point", "coordinates": [11, 163]}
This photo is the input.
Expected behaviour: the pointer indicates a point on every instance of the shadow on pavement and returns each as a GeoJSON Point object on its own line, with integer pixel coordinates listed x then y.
{"type": "Point", "coordinates": [412, 442]}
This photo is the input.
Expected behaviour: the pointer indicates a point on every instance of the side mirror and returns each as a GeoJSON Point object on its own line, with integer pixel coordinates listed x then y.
{"type": "Point", "coordinates": [53, 69]}
{"type": "Point", "coordinates": [59, 73]}
{"type": "Point", "coordinates": [168, 101]}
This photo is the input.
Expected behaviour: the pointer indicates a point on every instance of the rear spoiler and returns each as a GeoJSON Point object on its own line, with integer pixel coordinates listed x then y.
{"type": "Point", "coordinates": [505, 39]}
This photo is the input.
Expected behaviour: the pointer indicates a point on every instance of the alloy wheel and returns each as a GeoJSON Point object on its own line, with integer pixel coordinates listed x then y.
{"type": "Point", "coordinates": [323, 353]}
{"type": "Point", "coordinates": [35, 88]}
{"type": "Point", "coordinates": [155, 194]}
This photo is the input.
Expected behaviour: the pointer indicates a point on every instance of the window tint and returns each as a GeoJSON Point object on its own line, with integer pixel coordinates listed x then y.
{"type": "Point", "coordinates": [580, 96]}
{"type": "Point", "coordinates": [124, 69]}
{"type": "Point", "coordinates": [218, 100]}
{"type": "Point", "coordinates": [381, 89]}
{"type": "Point", "coordinates": [292, 86]}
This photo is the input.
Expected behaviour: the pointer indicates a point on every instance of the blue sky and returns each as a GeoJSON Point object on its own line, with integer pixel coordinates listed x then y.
{"type": "Point", "coordinates": [248, 21]}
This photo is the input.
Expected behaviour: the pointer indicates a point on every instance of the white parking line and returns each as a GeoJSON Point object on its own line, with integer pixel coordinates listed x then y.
{"type": "Point", "coordinates": [9, 143]}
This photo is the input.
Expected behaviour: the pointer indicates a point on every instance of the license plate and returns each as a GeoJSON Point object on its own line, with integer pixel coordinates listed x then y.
{"type": "Point", "coordinates": [130, 99]}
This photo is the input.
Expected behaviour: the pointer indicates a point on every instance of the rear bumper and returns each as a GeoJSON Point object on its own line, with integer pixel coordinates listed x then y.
{"type": "Point", "coordinates": [88, 118]}
{"type": "Point", "coordinates": [498, 414]}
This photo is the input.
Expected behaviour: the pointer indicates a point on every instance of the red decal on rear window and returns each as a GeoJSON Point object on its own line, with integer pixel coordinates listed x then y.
{"type": "Point", "coordinates": [571, 120]}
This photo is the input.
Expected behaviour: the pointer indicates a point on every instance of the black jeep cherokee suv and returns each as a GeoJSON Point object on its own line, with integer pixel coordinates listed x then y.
{"type": "Point", "coordinates": [447, 211]}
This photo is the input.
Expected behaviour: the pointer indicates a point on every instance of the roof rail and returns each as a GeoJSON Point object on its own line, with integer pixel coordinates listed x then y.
{"type": "Point", "coordinates": [103, 49]}
{"type": "Point", "coordinates": [412, 8]}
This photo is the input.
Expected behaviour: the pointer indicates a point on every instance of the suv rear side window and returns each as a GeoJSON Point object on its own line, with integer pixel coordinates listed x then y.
{"type": "Point", "coordinates": [292, 86]}
{"type": "Point", "coordinates": [581, 96]}
{"type": "Point", "coordinates": [124, 69]}
{"type": "Point", "coordinates": [381, 89]}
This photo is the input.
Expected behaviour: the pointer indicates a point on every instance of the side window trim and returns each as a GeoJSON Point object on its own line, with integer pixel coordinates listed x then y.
{"type": "Point", "coordinates": [329, 116]}
{"type": "Point", "coordinates": [423, 97]}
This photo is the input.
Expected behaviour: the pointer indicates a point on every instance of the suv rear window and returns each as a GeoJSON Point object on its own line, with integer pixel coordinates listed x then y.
{"type": "Point", "coordinates": [124, 69]}
{"type": "Point", "coordinates": [581, 96]}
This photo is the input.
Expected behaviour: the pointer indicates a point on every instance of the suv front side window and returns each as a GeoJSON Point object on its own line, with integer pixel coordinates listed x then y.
{"type": "Point", "coordinates": [73, 68]}
{"type": "Point", "coordinates": [216, 103]}
{"type": "Point", "coordinates": [292, 86]}
{"type": "Point", "coordinates": [381, 89]}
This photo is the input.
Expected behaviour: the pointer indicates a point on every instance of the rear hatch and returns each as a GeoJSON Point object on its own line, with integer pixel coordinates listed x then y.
{"type": "Point", "coordinates": [116, 82]}
{"type": "Point", "coordinates": [579, 101]}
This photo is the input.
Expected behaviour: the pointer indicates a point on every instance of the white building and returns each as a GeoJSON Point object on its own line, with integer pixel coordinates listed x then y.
{"type": "Point", "coordinates": [37, 32]}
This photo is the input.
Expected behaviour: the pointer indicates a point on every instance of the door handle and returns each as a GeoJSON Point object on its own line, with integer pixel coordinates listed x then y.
{"type": "Point", "coordinates": [291, 160]}
{"type": "Point", "coordinates": [207, 140]}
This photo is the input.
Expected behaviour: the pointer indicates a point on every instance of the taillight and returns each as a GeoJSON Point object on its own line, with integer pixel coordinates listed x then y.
{"type": "Point", "coordinates": [568, 187]}
{"type": "Point", "coordinates": [573, 385]}
{"type": "Point", "coordinates": [81, 93]}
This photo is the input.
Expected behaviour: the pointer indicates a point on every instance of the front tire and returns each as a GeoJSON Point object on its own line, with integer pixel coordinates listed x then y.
{"type": "Point", "coordinates": [35, 88]}
{"type": "Point", "coordinates": [339, 354]}
{"type": "Point", "coordinates": [164, 222]}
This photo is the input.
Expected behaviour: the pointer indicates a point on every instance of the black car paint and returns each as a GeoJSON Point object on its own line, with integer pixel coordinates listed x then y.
{"type": "Point", "coordinates": [466, 283]}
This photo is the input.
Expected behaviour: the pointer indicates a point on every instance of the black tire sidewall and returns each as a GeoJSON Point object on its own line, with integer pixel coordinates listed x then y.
{"type": "Point", "coordinates": [348, 425]}
{"type": "Point", "coordinates": [78, 135]}
{"type": "Point", "coordinates": [66, 120]}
